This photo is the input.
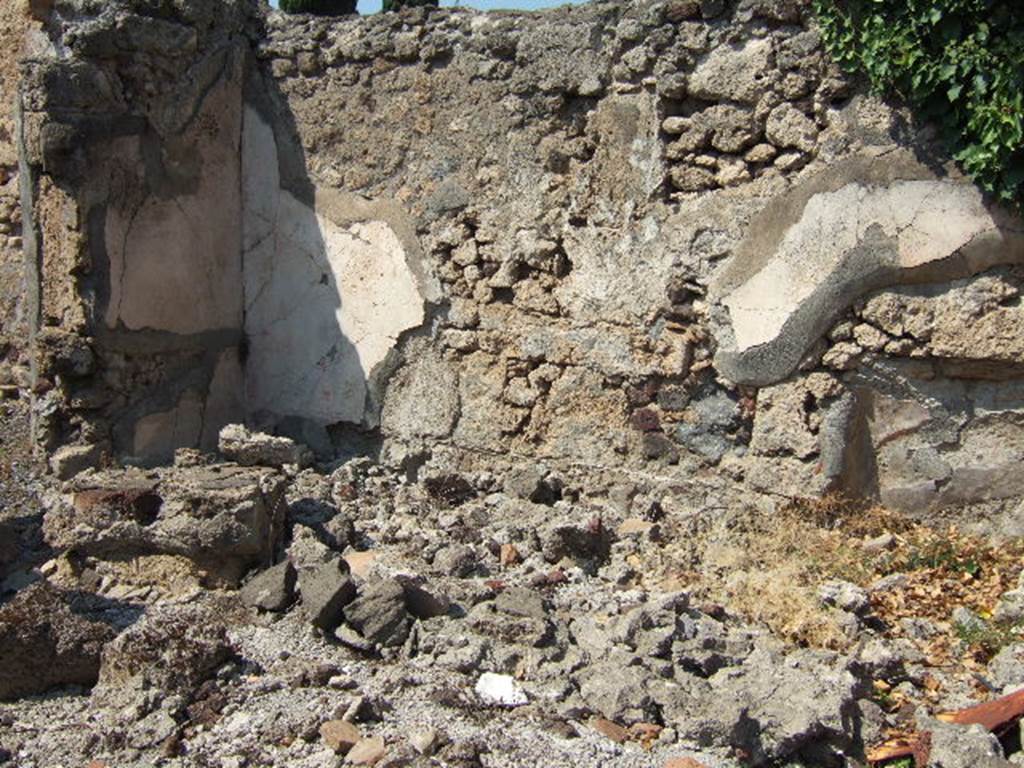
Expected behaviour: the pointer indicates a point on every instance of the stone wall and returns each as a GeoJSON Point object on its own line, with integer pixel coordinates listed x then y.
{"type": "Point", "coordinates": [661, 240]}
{"type": "Point", "coordinates": [14, 22]}
{"type": "Point", "coordinates": [132, 117]}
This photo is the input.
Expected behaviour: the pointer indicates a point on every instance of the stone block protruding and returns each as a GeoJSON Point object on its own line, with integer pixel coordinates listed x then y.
{"type": "Point", "coordinates": [224, 518]}
{"type": "Point", "coordinates": [255, 449]}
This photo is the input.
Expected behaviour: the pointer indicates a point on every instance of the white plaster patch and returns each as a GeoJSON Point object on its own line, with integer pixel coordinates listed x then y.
{"type": "Point", "coordinates": [175, 262]}
{"type": "Point", "coordinates": [327, 295]}
{"type": "Point", "coordinates": [325, 305]}
{"type": "Point", "coordinates": [929, 220]}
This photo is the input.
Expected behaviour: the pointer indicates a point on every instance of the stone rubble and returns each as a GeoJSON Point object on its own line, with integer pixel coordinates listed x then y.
{"type": "Point", "coordinates": [562, 276]}
{"type": "Point", "coordinates": [403, 662]}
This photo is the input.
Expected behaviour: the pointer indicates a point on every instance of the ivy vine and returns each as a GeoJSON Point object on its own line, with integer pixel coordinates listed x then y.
{"type": "Point", "coordinates": [958, 63]}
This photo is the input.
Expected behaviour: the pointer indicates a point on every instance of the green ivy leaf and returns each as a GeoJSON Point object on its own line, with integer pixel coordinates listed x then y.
{"type": "Point", "coordinates": [960, 63]}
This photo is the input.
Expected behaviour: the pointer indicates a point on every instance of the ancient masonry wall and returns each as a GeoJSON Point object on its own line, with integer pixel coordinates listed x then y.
{"type": "Point", "coordinates": [13, 315]}
{"type": "Point", "coordinates": [665, 239]}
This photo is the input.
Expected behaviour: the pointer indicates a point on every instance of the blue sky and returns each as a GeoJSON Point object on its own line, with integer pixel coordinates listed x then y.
{"type": "Point", "coordinates": [372, 6]}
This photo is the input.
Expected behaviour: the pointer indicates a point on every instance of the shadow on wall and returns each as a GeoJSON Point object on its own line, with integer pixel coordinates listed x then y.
{"type": "Point", "coordinates": [165, 226]}
{"type": "Point", "coordinates": [328, 288]}
{"type": "Point", "coordinates": [222, 288]}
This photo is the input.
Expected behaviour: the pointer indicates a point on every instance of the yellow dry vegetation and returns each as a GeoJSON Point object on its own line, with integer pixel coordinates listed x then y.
{"type": "Point", "coordinates": [768, 567]}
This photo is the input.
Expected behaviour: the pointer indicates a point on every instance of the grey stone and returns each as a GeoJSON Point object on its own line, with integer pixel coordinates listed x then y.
{"type": "Point", "coordinates": [845, 596]}
{"type": "Point", "coordinates": [1010, 607]}
{"type": "Point", "coordinates": [170, 651]}
{"type": "Point", "coordinates": [775, 706]}
{"type": "Point", "coordinates": [655, 445]}
{"type": "Point", "coordinates": [710, 445]}
{"type": "Point", "coordinates": [379, 613]}
{"type": "Point", "coordinates": [530, 481]}
{"type": "Point", "coordinates": [962, 746]}
{"type": "Point", "coordinates": [520, 601]}
{"type": "Point", "coordinates": [257, 449]}
{"type": "Point", "coordinates": [616, 688]}
{"type": "Point", "coordinates": [271, 590]}
{"type": "Point", "coordinates": [456, 560]}
{"type": "Point", "coordinates": [307, 549]}
{"type": "Point", "coordinates": [712, 415]}
{"type": "Point", "coordinates": [1006, 669]}
{"type": "Point", "coordinates": [326, 590]}
{"type": "Point", "coordinates": [423, 602]}
{"type": "Point", "coordinates": [511, 626]}
{"type": "Point", "coordinates": [570, 536]}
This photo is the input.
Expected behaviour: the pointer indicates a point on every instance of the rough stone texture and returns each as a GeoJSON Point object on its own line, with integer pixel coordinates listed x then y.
{"type": "Point", "coordinates": [434, 219]}
{"type": "Point", "coordinates": [326, 590]}
{"type": "Point", "coordinates": [254, 449]}
{"type": "Point", "coordinates": [959, 746]}
{"type": "Point", "coordinates": [168, 652]}
{"type": "Point", "coordinates": [379, 614]}
{"type": "Point", "coordinates": [14, 313]}
{"type": "Point", "coordinates": [50, 638]}
{"type": "Point", "coordinates": [271, 590]}
{"type": "Point", "coordinates": [225, 518]}
{"type": "Point", "coordinates": [762, 707]}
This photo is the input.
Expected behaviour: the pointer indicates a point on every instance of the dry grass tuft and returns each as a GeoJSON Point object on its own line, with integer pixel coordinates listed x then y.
{"type": "Point", "coordinates": [767, 568]}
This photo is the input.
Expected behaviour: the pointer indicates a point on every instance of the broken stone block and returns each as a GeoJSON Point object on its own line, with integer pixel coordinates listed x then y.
{"type": "Point", "coordinates": [962, 746]}
{"type": "Point", "coordinates": [773, 706]}
{"type": "Point", "coordinates": [271, 590]}
{"type": "Point", "coordinates": [224, 518]}
{"type": "Point", "coordinates": [379, 614]}
{"type": "Point", "coordinates": [326, 590]}
{"type": "Point", "coordinates": [424, 603]}
{"type": "Point", "coordinates": [255, 449]}
{"type": "Point", "coordinates": [170, 651]}
{"type": "Point", "coordinates": [340, 735]}
{"type": "Point", "coordinates": [577, 538]}
{"type": "Point", "coordinates": [1006, 670]}
{"type": "Point", "coordinates": [845, 596]}
{"type": "Point", "coordinates": [616, 688]}
{"type": "Point", "coordinates": [50, 638]}
{"type": "Point", "coordinates": [68, 460]}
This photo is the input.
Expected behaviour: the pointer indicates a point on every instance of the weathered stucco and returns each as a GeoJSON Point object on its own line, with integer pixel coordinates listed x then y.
{"type": "Point", "coordinates": [328, 292]}
{"type": "Point", "coordinates": [650, 239]}
{"type": "Point", "coordinates": [795, 275]}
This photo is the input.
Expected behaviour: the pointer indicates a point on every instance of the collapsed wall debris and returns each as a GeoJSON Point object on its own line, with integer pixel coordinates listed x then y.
{"type": "Point", "coordinates": [498, 322]}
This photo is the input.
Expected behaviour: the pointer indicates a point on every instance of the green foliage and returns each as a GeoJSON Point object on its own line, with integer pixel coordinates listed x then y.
{"type": "Point", "coordinates": [943, 554]}
{"type": "Point", "coordinates": [394, 5]}
{"type": "Point", "coordinates": [988, 638]}
{"type": "Point", "coordinates": [960, 63]}
{"type": "Point", "coordinates": [319, 7]}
